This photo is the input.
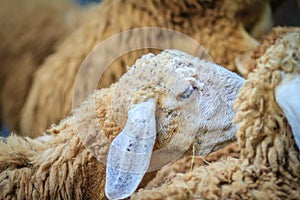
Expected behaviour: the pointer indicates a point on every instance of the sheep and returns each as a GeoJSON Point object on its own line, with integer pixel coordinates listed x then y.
{"type": "Point", "coordinates": [219, 26]}
{"type": "Point", "coordinates": [190, 100]}
{"type": "Point", "coordinates": [267, 110]}
{"type": "Point", "coordinates": [30, 31]}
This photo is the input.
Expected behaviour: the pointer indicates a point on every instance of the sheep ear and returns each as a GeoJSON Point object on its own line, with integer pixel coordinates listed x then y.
{"type": "Point", "coordinates": [288, 97]}
{"type": "Point", "coordinates": [130, 152]}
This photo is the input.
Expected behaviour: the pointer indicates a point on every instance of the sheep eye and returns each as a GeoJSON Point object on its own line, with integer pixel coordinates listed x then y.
{"type": "Point", "coordinates": [187, 93]}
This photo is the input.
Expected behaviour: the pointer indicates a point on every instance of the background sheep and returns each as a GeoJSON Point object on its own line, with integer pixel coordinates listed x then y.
{"type": "Point", "coordinates": [30, 31]}
{"type": "Point", "coordinates": [59, 166]}
{"type": "Point", "coordinates": [219, 26]}
{"type": "Point", "coordinates": [269, 164]}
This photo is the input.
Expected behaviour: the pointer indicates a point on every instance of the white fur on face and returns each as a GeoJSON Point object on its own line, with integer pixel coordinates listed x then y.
{"type": "Point", "coordinates": [202, 96]}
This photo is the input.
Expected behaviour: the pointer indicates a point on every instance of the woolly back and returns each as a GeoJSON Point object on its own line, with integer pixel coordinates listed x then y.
{"type": "Point", "coordinates": [264, 135]}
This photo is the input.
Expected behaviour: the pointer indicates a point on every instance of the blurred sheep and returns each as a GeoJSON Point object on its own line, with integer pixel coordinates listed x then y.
{"type": "Point", "coordinates": [219, 26]}
{"type": "Point", "coordinates": [30, 31]}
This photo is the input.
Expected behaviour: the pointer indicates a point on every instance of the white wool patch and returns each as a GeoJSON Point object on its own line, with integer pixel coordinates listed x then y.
{"type": "Point", "coordinates": [288, 97]}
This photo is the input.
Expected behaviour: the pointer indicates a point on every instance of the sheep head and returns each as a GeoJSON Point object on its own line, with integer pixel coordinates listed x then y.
{"type": "Point", "coordinates": [287, 93]}
{"type": "Point", "coordinates": [169, 102]}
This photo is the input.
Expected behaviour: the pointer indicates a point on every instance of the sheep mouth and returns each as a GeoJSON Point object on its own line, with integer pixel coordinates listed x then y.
{"type": "Point", "coordinates": [212, 140]}
{"type": "Point", "coordinates": [223, 144]}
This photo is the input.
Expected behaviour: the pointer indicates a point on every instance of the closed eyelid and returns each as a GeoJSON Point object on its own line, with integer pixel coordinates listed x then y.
{"type": "Point", "coordinates": [187, 93]}
{"type": "Point", "coordinates": [183, 89]}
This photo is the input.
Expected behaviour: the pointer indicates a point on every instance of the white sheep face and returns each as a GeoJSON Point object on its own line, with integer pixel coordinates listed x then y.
{"type": "Point", "coordinates": [192, 105]}
{"type": "Point", "coordinates": [200, 95]}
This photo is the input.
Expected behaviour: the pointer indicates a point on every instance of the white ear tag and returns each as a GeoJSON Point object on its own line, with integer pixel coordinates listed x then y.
{"type": "Point", "coordinates": [130, 152]}
{"type": "Point", "coordinates": [288, 97]}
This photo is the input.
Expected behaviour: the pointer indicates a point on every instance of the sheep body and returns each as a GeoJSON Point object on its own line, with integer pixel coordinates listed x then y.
{"type": "Point", "coordinates": [58, 165]}
{"type": "Point", "coordinates": [269, 164]}
{"type": "Point", "coordinates": [188, 163]}
{"type": "Point", "coordinates": [202, 21]}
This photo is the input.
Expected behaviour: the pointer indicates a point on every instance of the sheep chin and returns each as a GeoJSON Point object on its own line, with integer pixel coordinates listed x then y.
{"type": "Point", "coordinates": [213, 140]}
